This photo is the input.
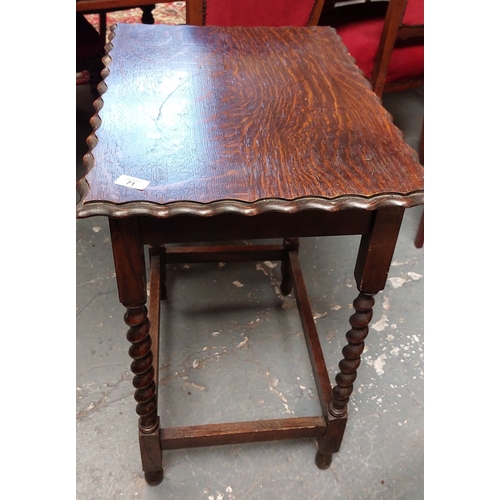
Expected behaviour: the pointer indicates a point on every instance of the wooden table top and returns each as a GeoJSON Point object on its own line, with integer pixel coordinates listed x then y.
{"type": "Point", "coordinates": [240, 119]}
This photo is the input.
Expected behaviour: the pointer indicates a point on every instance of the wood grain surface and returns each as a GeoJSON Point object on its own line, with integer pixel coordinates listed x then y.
{"type": "Point", "coordinates": [243, 115]}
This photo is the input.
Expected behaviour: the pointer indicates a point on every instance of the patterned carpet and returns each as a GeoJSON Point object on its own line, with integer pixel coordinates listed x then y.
{"type": "Point", "coordinates": [164, 13]}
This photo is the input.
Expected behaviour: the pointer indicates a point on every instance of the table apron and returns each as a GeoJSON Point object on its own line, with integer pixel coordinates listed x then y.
{"type": "Point", "coordinates": [188, 228]}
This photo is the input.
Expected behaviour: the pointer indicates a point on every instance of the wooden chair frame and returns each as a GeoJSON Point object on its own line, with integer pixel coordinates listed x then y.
{"type": "Point", "coordinates": [394, 30]}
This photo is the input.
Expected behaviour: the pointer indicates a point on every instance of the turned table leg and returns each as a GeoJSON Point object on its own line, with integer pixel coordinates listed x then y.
{"type": "Point", "coordinates": [371, 271]}
{"type": "Point", "coordinates": [337, 410]}
{"type": "Point", "coordinates": [130, 267]}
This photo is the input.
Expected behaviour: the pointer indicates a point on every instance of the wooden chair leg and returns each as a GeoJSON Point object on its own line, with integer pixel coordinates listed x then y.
{"type": "Point", "coordinates": [102, 27]}
{"type": "Point", "coordinates": [419, 239]}
{"type": "Point", "coordinates": [147, 14]}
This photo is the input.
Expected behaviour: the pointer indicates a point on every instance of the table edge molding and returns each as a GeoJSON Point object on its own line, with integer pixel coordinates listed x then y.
{"type": "Point", "coordinates": [142, 208]}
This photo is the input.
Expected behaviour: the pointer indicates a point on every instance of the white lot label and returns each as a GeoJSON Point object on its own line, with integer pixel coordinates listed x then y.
{"type": "Point", "coordinates": [132, 182]}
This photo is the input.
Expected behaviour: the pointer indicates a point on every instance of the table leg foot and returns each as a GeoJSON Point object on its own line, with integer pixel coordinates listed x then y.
{"type": "Point", "coordinates": [323, 460]}
{"type": "Point", "coordinates": [330, 442]}
{"type": "Point", "coordinates": [151, 455]}
{"type": "Point", "coordinates": [153, 478]}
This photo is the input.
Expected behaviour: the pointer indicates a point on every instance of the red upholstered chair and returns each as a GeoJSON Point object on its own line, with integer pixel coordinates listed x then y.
{"type": "Point", "coordinates": [271, 13]}
{"type": "Point", "coordinates": [385, 38]}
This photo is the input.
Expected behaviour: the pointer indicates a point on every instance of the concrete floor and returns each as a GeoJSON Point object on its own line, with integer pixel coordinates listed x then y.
{"type": "Point", "coordinates": [237, 353]}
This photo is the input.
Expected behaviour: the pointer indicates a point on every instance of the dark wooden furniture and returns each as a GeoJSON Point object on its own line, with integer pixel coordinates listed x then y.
{"type": "Point", "coordinates": [90, 44]}
{"type": "Point", "coordinates": [102, 7]}
{"type": "Point", "coordinates": [89, 51]}
{"type": "Point", "coordinates": [243, 133]}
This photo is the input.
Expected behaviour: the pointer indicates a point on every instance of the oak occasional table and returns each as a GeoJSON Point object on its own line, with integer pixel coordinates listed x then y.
{"type": "Point", "coordinates": [242, 133]}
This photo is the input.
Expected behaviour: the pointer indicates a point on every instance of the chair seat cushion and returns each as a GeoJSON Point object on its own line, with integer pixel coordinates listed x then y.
{"type": "Point", "coordinates": [362, 39]}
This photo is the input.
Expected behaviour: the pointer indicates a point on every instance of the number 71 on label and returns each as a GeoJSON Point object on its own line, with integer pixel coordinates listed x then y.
{"type": "Point", "coordinates": [132, 182]}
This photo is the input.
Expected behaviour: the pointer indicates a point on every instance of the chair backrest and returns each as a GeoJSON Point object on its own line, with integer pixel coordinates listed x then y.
{"type": "Point", "coordinates": [404, 21]}
{"type": "Point", "coordinates": [271, 13]}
